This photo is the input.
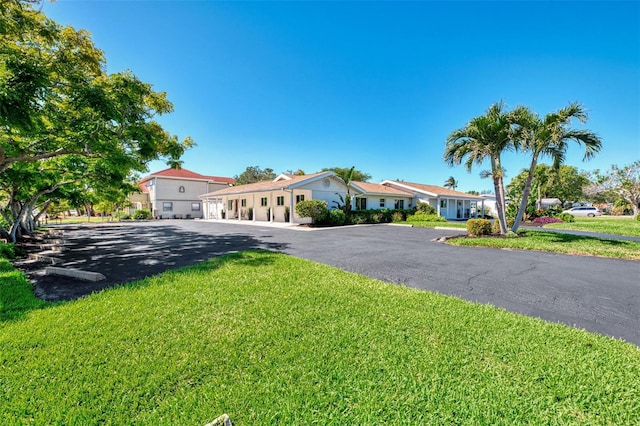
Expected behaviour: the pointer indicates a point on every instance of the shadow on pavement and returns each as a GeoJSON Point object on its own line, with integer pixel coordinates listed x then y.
{"type": "Point", "coordinates": [127, 253]}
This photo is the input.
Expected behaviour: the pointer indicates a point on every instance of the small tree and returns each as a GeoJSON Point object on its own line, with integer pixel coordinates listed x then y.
{"type": "Point", "coordinates": [315, 209]}
{"type": "Point", "coordinates": [624, 182]}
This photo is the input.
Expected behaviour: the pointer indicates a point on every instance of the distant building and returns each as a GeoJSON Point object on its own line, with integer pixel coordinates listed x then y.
{"type": "Point", "coordinates": [173, 193]}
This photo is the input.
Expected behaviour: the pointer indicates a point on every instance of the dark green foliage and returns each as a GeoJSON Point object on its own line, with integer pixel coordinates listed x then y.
{"type": "Point", "coordinates": [141, 214]}
{"type": "Point", "coordinates": [566, 217]}
{"type": "Point", "coordinates": [336, 217]}
{"type": "Point", "coordinates": [477, 227]}
{"type": "Point", "coordinates": [370, 216]}
{"type": "Point", "coordinates": [315, 209]}
{"type": "Point", "coordinates": [349, 174]}
{"type": "Point", "coordinates": [254, 174]}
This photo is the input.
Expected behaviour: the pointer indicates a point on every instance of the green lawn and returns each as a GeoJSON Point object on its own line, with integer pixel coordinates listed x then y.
{"type": "Point", "coordinates": [462, 225]}
{"type": "Point", "coordinates": [606, 225]}
{"type": "Point", "coordinates": [271, 339]}
{"type": "Point", "coordinates": [558, 243]}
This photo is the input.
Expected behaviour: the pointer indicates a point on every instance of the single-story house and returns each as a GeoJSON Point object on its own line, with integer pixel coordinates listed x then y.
{"type": "Point", "coordinates": [374, 196]}
{"type": "Point", "coordinates": [174, 193]}
{"type": "Point", "coordinates": [273, 200]}
{"type": "Point", "coordinates": [448, 203]}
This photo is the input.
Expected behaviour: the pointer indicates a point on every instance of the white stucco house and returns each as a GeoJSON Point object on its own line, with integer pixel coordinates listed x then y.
{"type": "Point", "coordinates": [374, 196]}
{"type": "Point", "coordinates": [275, 200]}
{"type": "Point", "coordinates": [174, 193]}
{"type": "Point", "coordinates": [450, 204]}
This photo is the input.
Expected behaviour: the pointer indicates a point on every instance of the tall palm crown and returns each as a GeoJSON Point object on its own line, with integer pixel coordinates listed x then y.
{"type": "Point", "coordinates": [451, 183]}
{"type": "Point", "coordinates": [484, 138]}
{"type": "Point", "coordinates": [550, 136]}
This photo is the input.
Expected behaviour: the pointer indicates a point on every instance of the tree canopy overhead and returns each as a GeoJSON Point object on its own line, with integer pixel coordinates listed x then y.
{"type": "Point", "coordinates": [63, 114]}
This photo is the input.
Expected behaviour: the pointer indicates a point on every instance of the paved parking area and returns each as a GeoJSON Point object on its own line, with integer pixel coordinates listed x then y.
{"type": "Point", "coordinates": [600, 295]}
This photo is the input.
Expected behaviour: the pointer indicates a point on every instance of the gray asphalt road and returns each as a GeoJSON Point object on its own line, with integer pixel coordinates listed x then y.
{"type": "Point", "coordinates": [600, 295]}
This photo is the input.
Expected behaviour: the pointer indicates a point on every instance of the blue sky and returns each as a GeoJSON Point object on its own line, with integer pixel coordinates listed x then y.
{"type": "Point", "coordinates": [379, 85]}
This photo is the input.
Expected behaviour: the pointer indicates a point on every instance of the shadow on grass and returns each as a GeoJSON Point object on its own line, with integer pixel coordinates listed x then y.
{"type": "Point", "coordinates": [17, 298]}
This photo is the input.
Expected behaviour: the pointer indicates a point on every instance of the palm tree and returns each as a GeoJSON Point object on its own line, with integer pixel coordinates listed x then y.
{"type": "Point", "coordinates": [347, 176]}
{"type": "Point", "coordinates": [451, 183]}
{"type": "Point", "coordinates": [484, 137]}
{"type": "Point", "coordinates": [550, 136]}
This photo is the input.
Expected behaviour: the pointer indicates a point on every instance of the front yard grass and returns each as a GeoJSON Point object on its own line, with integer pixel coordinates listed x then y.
{"type": "Point", "coordinates": [272, 339]}
{"type": "Point", "coordinates": [448, 224]}
{"type": "Point", "coordinates": [558, 243]}
{"type": "Point", "coordinates": [605, 225]}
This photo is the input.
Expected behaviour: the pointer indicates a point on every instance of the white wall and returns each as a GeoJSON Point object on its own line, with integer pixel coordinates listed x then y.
{"type": "Point", "coordinates": [169, 190]}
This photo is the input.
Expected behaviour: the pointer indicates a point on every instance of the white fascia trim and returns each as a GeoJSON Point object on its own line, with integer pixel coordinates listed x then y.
{"type": "Point", "coordinates": [313, 179]}
{"type": "Point", "coordinates": [410, 188]}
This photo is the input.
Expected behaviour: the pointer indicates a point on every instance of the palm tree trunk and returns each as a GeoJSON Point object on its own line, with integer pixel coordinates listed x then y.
{"type": "Point", "coordinates": [498, 186]}
{"type": "Point", "coordinates": [525, 194]}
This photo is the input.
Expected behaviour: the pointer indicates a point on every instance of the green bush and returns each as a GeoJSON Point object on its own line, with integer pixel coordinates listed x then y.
{"type": "Point", "coordinates": [315, 209]}
{"type": "Point", "coordinates": [336, 217]}
{"type": "Point", "coordinates": [566, 217]}
{"type": "Point", "coordinates": [370, 216]}
{"type": "Point", "coordinates": [425, 217]}
{"type": "Point", "coordinates": [425, 208]}
{"type": "Point", "coordinates": [477, 227]}
{"type": "Point", "coordinates": [398, 216]}
{"type": "Point", "coordinates": [7, 250]}
{"type": "Point", "coordinates": [141, 214]}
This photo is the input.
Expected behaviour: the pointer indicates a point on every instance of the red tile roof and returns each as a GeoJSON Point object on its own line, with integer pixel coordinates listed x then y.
{"type": "Point", "coordinates": [187, 174]}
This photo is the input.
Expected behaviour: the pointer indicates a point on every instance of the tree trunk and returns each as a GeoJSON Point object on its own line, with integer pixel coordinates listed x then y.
{"type": "Point", "coordinates": [525, 194]}
{"type": "Point", "coordinates": [498, 186]}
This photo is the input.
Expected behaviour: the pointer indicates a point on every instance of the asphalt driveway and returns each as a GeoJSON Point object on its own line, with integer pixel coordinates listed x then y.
{"type": "Point", "coordinates": [597, 294]}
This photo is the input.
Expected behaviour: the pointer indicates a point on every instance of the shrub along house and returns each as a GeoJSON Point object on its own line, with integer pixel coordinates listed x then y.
{"type": "Point", "coordinates": [273, 200]}
{"type": "Point", "coordinates": [174, 193]}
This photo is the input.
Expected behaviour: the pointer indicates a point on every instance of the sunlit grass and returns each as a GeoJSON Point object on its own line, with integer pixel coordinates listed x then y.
{"type": "Point", "coordinates": [271, 339]}
{"type": "Point", "coordinates": [461, 225]}
{"type": "Point", "coordinates": [605, 225]}
{"type": "Point", "coordinates": [558, 243]}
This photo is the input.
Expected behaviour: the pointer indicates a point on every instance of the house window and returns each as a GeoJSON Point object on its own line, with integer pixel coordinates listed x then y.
{"type": "Point", "coordinates": [167, 206]}
{"type": "Point", "coordinates": [280, 200]}
{"type": "Point", "coordinates": [263, 201]}
{"type": "Point", "coordinates": [243, 202]}
{"type": "Point", "coordinates": [361, 203]}
{"type": "Point", "coordinates": [299, 198]}
{"type": "Point", "coordinates": [195, 207]}
{"type": "Point", "coordinates": [181, 189]}
{"type": "Point", "coordinates": [443, 204]}
{"type": "Point", "coordinates": [399, 204]}
{"type": "Point", "coordinates": [230, 205]}
{"type": "Point", "coordinates": [381, 202]}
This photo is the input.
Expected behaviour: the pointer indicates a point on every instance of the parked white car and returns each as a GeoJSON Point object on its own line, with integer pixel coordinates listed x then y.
{"type": "Point", "coordinates": [590, 211]}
